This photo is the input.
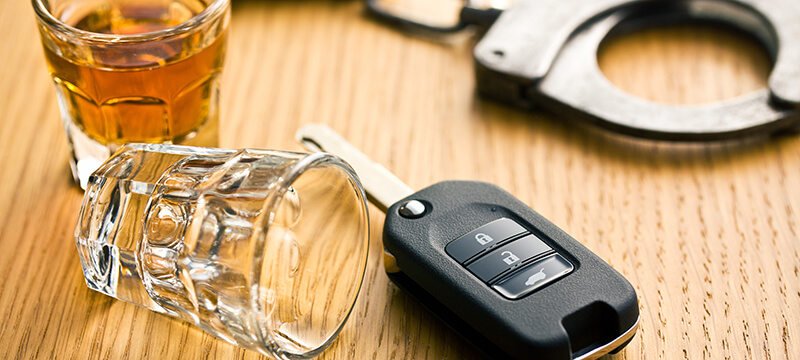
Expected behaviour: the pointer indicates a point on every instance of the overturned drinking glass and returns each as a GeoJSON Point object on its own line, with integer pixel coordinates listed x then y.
{"type": "Point", "coordinates": [264, 249]}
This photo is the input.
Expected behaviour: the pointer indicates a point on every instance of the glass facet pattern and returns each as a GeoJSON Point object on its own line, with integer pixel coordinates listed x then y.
{"type": "Point", "coordinates": [264, 249]}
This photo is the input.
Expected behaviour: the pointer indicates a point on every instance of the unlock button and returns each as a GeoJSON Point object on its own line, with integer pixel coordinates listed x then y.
{"type": "Point", "coordinates": [508, 256]}
{"type": "Point", "coordinates": [483, 238]}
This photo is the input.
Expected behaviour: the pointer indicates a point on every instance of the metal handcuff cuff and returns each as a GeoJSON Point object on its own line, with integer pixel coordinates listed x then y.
{"type": "Point", "coordinates": [543, 53]}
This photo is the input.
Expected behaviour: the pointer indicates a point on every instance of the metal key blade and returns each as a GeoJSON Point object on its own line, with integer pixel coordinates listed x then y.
{"type": "Point", "coordinates": [383, 188]}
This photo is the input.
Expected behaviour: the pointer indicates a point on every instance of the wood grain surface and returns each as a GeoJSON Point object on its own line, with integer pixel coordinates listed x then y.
{"type": "Point", "coordinates": [706, 233]}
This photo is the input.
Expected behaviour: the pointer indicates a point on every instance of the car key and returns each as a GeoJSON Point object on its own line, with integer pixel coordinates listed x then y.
{"type": "Point", "coordinates": [503, 277]}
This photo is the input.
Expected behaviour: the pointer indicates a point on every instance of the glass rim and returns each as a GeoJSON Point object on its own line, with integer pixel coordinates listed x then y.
{"type": "Point", "coordinates": [287, 178]}
{"type": "Point", "coordinates": [212, 11]}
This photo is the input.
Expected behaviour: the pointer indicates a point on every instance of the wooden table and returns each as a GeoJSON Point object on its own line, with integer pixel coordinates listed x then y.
{"type": "Point", "coordinates": [706, 233]}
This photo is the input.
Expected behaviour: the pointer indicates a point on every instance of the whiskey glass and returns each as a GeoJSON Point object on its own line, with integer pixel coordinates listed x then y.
{"type": "Point", "coordinates": [264, 249]}
{"type": "Point", "coordinates": [134, 71]}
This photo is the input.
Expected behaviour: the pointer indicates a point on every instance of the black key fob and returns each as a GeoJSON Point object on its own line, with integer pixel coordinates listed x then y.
{"type": "Point", "coordinates": [502, 276]}
{"type": "Point", "coordinates": [498, 273]}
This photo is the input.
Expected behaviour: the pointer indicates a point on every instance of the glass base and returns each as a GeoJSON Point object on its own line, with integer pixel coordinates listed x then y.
{"type": "Point", "coordinates": [87, 154]}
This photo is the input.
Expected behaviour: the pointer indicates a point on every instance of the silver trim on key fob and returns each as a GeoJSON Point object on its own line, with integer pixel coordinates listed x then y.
{"type": "Point", "coordinates": [613, 344]}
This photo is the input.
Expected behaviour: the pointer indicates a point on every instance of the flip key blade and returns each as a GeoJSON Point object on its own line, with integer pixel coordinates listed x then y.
{"type": "Point", "coordinates": [383, 188]}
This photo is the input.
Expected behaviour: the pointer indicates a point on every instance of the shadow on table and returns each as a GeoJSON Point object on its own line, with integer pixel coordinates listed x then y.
{"type": "Point", "coordinates": [606, 145]}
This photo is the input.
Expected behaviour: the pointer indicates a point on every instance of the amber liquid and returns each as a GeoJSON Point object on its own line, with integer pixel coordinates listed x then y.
{"type": "Point", "coordinates": [164, 91]}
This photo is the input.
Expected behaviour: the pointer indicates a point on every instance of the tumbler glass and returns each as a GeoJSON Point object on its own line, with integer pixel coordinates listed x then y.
{"type": "Point", "coordinates": [264, 249]}
{"type": "Point", "coordinates": [134, 71]}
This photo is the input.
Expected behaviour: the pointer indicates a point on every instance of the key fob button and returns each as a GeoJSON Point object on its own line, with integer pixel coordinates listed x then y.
{"type": "Point", "coordinates": [507, 257]}
{"type": "Point", "coordinates": [534, 276]}
{"type": "Point", "coordinates": [482, 238]}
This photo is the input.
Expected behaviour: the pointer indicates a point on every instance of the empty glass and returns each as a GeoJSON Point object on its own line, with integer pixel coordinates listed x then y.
{"type": "Point", "coordinates": [265, 249]}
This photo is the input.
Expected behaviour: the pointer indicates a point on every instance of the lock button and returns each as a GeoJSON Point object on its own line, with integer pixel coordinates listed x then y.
{"type": "Point", "coordinates": [483, 238]}
{"type": "Point", "coordinates": [508, 256]}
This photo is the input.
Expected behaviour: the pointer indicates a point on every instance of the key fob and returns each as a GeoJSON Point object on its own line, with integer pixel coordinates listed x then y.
{"type": "Point", "coordinates": [503, 277]}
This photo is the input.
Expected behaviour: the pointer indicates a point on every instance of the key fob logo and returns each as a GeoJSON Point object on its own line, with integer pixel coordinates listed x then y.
{"type": "Point", "coordinates": [483, 239]}
{"type": "Point", "coordinates": [510, 258]}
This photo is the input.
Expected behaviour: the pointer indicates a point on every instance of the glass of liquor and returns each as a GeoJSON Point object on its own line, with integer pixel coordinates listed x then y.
{"type": "Point", "coordinates": [264, 249]}
{"type": "Point", "coordinates": [134, 71]}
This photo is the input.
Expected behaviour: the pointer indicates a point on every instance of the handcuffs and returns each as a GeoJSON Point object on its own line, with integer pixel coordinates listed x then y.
{"type": "Point", "coordinates": [543, 53]}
